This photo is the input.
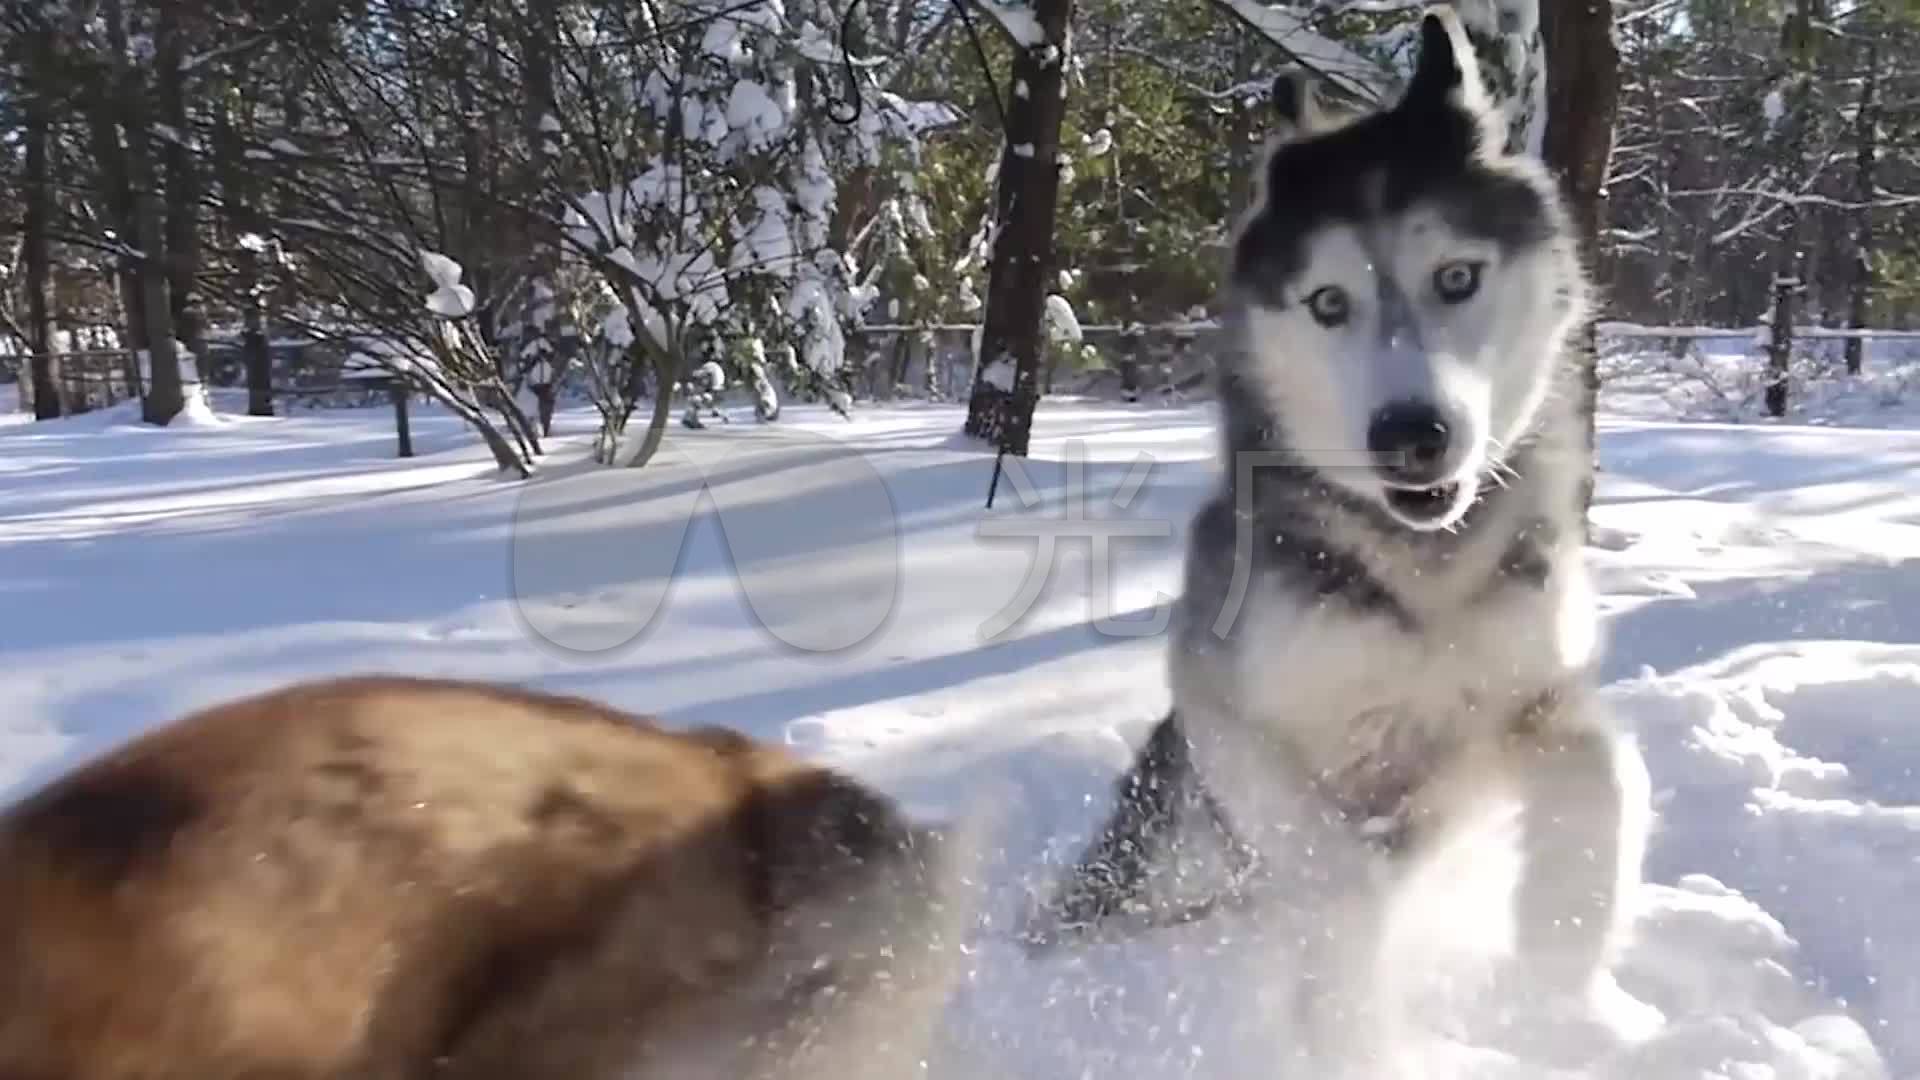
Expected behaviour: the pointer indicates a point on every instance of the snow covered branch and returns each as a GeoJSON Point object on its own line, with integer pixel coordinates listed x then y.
{"type": "Point", "coordinates": [1290, 30]}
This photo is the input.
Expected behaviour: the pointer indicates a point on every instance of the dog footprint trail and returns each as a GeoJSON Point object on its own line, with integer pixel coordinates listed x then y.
{"type": "Point", "coordinates": [1718, 966]}
{"type": "Point", "coordinates": [1783, 781]}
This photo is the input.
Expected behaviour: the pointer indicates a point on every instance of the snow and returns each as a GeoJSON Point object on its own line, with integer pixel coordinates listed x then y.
{"type": "Point", "coordinates": [1291, 28]}
{"type": "Point", "coordinates": [1761, 598]}
{"type": "Point", "coordinates": [616, 329]}
{"type": "Point", "coordinates": [810, 306]}
{"type": "Point", "coordinates": [1062, 324]}
{"type": "Point", "coordinates": [189, 364]}
{"type": "Point", "coordinates": [1017, 19]}
{"type": "Point", "coordinates": [1721, 375]}
{"type": "Point", "coordinates": [919, 117]}
{"type": "Point", "coordinates": [1515, 26]}
{"type": "Point", "coordinates": [1000, 374]}
{"type": "Point", "coordinates": [751, 110]}
{"type": "Point", "coordinates": [378, 358]}
{"type": "Point", "coordinates": [449, 299]}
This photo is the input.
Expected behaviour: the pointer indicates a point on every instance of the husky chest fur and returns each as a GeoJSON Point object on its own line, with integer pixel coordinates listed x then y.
{"type": "Point", "coordinates": [1386, 618]}
{"type": "Point", "coordinates": [387, 879]}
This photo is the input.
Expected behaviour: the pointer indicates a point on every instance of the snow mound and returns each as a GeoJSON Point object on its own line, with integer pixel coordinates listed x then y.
{"type": "Point", "coordinates": [197, 411]}
{"type": "Point", "coordinates": [1788, 773]}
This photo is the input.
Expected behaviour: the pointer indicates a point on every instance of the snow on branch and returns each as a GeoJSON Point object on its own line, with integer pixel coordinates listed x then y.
{"type": "Point", "coordinates": [1883, 200]}
{"type": "Point", "coordinates": [449, 299]}
{"type": "Point", "coordinates": [1062, 324]}
{"type": "Point", "coordinates": [1507, 34]}
{"type": "Point", "coordinates": [1290, 30]}
{"type": "Point", "coordinates": [1017, 20]}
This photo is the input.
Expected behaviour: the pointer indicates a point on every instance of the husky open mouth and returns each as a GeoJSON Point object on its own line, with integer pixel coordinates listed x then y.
{"type": "Point", "coordinates": [1423, 504]}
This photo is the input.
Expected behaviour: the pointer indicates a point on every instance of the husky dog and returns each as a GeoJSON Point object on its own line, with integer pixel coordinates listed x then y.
{"type": "Point", "coordinates": [390, 879]}
{"type": "Point", "coordinates": [1386, 624]}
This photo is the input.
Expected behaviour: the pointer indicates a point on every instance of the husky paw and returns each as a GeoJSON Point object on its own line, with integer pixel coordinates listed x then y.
{"type": "Point", "coordinates": [1628, 1019]}
{"type": "Point", "coordinates": [1578, 1026]}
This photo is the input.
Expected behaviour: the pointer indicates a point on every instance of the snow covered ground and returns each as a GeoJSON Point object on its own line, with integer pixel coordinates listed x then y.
{"type": "Point", "coordinates": [1724, 378]}
{"type": "Point", "coordinates": [834, 590]}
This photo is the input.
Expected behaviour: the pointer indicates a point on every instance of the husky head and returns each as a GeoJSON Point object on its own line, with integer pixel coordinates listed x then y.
{"type": "Point", "coordinates": [1406, 288]}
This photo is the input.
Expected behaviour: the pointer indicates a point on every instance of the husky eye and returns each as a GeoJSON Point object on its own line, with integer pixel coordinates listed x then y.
{"type": "Point", "coordinates": [1455, 281]}
{"type": "Point", "coordinates": [1328, 305]}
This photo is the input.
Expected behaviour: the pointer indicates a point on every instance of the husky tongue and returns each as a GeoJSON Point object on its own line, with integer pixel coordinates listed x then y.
{"type": "Point", "coordinates": [1423, 504]}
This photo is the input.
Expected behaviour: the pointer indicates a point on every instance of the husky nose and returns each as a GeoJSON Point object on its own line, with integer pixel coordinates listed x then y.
{"type": "Point", "coordinates": [1411, 440]}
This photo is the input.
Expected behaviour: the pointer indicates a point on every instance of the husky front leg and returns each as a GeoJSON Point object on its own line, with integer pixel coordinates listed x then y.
{"type": "Point", "coordinates": [1348, 1017]}
{"type": "Point", "coordinates": [1128, 874]}
{"type": "Point", "coordinates": [1323, 889]}
{"type": "Point", "coordinates": [1585, 815]}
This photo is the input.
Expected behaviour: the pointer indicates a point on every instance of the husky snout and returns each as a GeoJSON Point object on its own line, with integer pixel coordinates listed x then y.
{"type": "Point", "coordinates": [1424, 453]}
{"type": "Point", "coordinates": [1413, 444]}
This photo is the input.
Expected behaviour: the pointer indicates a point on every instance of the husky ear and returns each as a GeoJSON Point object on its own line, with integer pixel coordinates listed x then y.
{"type": "Point", "coordinates": [1296, 102]}
{"type": "Point", "coordinates": [1446, 70]}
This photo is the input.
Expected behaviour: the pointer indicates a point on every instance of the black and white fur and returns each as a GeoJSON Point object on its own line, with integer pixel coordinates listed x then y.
{"type": "Point", "coordinates": [1386, 625]}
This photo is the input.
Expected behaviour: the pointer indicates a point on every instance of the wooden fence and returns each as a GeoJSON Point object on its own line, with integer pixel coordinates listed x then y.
{"type": "Point", "coordinates": [101, 378]}
{"type": "Point", "coordinates": [1775, 345]}
{"type": "Point", "coordinates": [85, 380]}
{"type": "Point", "coordinates": [884, 360]}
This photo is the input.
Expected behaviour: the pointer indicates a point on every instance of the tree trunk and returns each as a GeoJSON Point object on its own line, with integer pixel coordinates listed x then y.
{"type": "Point", "coordinates": [1860, 295]}
{"type": "Point", "coordinates": [286, 193]}
{"type": "Point", "coordinates": [164, 396]}
{"type": "Point", "coordinates": [116, 208]}
{"type": "Point", "coordinates": [183, 180]}
{"type": "Point", "coordinates": [1780, 344]}
{"type": "Point", "coordinates": [542, 344]}
{"type": "Point", "coordinates": [45, 378]}
{"type": "Point", "coordinates": [1796, 37]}
{"type": "Point", "coordinates": [477, 225]}
{"type": "Point", "coordinates": [663, 377]}
{"type": "Point", "coordinates": [246, 232]}
{"type": "Point", "coordinates": [1029, 186]}
{"type": "Point", "coordinates": [504, 453]}
{"type": "Point", "coordinates": [1583, 90]}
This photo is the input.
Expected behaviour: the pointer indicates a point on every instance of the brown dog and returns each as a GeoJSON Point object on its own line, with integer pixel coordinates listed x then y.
{"type": "Point", "coordinates": [387, 878]}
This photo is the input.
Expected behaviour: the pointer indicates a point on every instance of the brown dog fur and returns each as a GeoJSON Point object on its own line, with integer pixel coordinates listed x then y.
{"type": "Point", "coordinates": [386, 878]}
